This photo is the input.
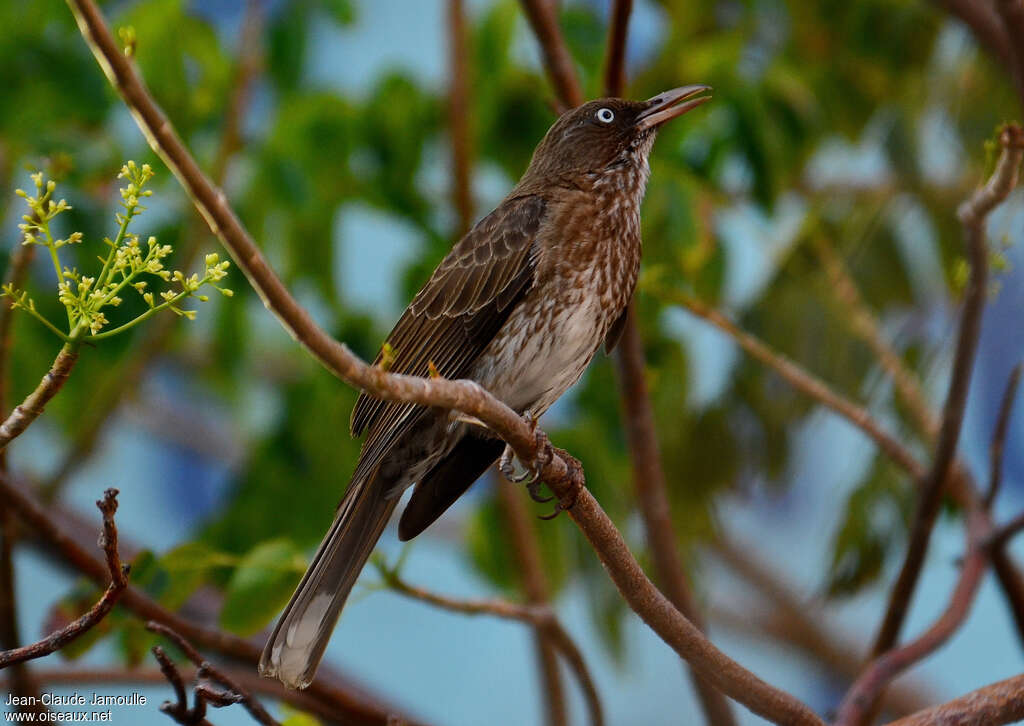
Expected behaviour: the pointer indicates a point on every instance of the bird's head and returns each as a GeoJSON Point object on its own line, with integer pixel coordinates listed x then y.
{"type": "Point", "coordinates": [609, 133]}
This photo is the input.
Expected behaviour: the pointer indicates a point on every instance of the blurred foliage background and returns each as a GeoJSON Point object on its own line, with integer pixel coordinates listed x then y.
{"type": "Point", "coordinates": [859, 126]}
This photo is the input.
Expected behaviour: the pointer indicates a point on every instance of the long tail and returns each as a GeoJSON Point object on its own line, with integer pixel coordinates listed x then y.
{"type": "Point", "coordinates": [297, 644]}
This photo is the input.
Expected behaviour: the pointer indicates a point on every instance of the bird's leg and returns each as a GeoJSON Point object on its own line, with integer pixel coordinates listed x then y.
{"type": "Point", "coordinates": [531, 474]}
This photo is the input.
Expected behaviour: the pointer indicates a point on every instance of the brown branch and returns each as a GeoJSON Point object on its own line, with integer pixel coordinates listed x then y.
{"type": "Point", "coordinates": [458, 116]}
{"type": "Point", "coordinates": [972, 215]}
{"type": "Point", "coordinates": [805, 382]}
{"type": "Point", "coordinates": [961, 485]}
{"type": "Point", "coordinates": [984, 21]}
{"type": "Point", "coordinates": [526, 553]}
{"type": "Point", "coordinates": [615, 53]}
{"type": "Point", "coordinates": [118, 583]}
{"type": "Point", "coordinates": [993, 705]}
{"type": "Point", "coordinates": [32, 407]}
{"type": "Point", "coordinates": [860, 701]}
{"type": "Point", "coordinates": [207, 671]}
{"type": "Point", "coordinates": [557, 60]}
{"type": "Point", "coordinates": [327, 688]}
{"type": "Point", "coordinates": [179, 709]}
{"type": "Point", "coordinates": [22, 683]}
{"type": "Point", "coordinates": [652, 495]}
{"type": "Point", "coordinates": [127, 376]}
{"type": "Point", "coordinates": [995, 478]}
{"type": "Point", "coordinates": [559, 470]}
{"type": "Point", "coordinates": [654, 608]}
{"type": "Point", "coordinates": [17, 270]}
{"type": "Point", "coordinates": [1012, 12]}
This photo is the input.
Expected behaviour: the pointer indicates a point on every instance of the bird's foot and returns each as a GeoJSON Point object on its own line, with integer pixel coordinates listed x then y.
{"type": "Point", "coordinates": [531, 474]}
{"type": "Point", "coordinates": [575, 478]}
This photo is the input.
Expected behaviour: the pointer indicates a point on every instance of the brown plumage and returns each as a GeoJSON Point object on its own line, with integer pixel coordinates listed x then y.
{"type": "Point", "coordinates": [520, 305]}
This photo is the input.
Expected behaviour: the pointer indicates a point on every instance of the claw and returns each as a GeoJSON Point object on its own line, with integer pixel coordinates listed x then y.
{"type": "Point", "coordinates": [534, 489]}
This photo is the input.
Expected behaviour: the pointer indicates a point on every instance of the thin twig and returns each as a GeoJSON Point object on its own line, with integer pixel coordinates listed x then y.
{"type": "Point", "coordinates": [995, 478]}
{"type": "Point", "coordinates": [860, 701]}
{"type": "Point", "coordinates": [557, 60]}
{"type": "Point", "coordinates": [557, 468]}
{"type": "Point", "coordinates": [32, 407]}
{"type": "Point", "coordinates": [207, 671]}
{"type": "Point", "coordinates": [805, 382]}
{"type": "Point", "coordinates": [908, 387]}
{"type": "Point", "coordinates": [993, 705]}
{"type": "Point", "coordinates": [865, 325]}
{"type": "Point", "coordinates": [972, 215]}
{"type": "Point", "coordinates": [525, 549]}
{"type": "Point", "coordinates": [118, 583]}
{"type": "Point", "coordinates": [328, 688]}
{"type": "Point", "coordinates": [128, 374]}
{"type": "Point", "coordinates": [1006, 531]}
{"type": "Point", "coordinates": [179, 709]}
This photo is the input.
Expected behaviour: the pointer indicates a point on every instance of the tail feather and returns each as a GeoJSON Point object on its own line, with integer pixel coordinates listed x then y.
{"type": "Point", "coordinates": [295, 648]}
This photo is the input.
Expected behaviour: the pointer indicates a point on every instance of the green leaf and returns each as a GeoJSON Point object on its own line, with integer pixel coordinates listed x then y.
{"type": "Point", "coordinates": [261, 585]}
{"type": "Point", "coordinates": [187, 567]}
{"type": "Point", "coordinates": [877, 513]}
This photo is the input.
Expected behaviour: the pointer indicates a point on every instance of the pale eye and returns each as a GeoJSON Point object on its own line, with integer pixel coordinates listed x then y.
{"type": "Point", "coordinates": [605, 115]}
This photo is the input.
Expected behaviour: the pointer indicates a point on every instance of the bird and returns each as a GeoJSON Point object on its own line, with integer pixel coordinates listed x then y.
{"type": "Point", "coordinates": [521, 304]}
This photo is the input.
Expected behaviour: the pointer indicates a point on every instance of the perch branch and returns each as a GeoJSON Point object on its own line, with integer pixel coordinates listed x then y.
{"type": "Point", "coordinates": [118, 583]}
{"type": "Point", "coordinates": [972, 215]}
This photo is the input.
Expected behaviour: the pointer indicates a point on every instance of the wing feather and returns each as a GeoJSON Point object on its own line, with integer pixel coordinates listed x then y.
{"type": "Point", "coordinates": [456, 315]}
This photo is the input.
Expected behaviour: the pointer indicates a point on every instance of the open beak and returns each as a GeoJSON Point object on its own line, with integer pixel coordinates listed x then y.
{"type": "Point", "coordinates": [666, 106]}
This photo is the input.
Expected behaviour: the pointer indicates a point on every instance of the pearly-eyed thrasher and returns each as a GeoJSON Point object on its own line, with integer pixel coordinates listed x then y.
{"type": "Point", "coordinates": [520, 305]}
